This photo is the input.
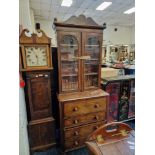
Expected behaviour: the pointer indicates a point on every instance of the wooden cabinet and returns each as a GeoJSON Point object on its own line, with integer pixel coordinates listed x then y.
{"type": "Point", "coordinates": [41, 126]}
{"type": "Point", "coordinates": [36, 65]}
{"type": "Point", "coordinates": [79, 55]}
{"type": "Point", "coordinates": [82, 104]}
{"type": "Point", "coordinates": [80, 114]}
{"type": "Point", "coordinates": [121, 97]}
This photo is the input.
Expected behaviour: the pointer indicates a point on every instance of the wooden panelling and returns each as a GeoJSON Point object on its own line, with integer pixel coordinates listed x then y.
{"type": "Point", "coordinates": [39, 94]}
{"type": "Point", "coordinates": [41, 132]}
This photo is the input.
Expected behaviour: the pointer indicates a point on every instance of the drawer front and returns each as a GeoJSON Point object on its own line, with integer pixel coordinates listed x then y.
{"type": "Point", "coordinates": [79, 120]}
{"type": "Point", "coordinates": [74, 108]}
{"type": "Point", "coordinates": [83, 131]}
{"type": "Point", "coordinates": [75, 143]}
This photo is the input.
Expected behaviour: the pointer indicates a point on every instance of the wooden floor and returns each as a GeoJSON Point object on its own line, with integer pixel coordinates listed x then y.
{"type": "Point", "coordinates": [82, 151]}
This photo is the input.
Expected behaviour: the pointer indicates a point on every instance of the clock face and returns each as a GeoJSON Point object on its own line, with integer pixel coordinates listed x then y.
{"type": "Point", "coordinates": [36, 55]}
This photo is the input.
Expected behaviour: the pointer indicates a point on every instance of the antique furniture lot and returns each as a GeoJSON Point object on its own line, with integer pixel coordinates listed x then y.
{"type": "Point", "coordinates": [36, 68]}
{"type": "Point", "coordinates": [81, 113]}
{"type": "Point", "coordinates": [82, 104]}
{"type": "Point", "coordinates": [113, 138]}
{"type": "Point", "coordinates": [121, 91]}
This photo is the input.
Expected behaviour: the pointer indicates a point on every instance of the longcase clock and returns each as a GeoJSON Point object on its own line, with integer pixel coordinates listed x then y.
{"type": "Point", "coordinates": [36, 65]}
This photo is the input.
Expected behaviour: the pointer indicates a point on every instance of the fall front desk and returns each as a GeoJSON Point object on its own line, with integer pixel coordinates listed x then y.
{"type": "Point", "coordinates": [121, 91]}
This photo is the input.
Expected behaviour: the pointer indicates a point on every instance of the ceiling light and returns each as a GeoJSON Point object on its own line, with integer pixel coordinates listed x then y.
{"type": "Point", "coordinates": [104, 5]}
{"type": "Point", "coordinates": [130, 11]}
{"type": "Point", "coordinates": [67, 3]}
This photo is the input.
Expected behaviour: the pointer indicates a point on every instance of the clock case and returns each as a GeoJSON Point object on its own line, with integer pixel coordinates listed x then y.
{"type": "Point", "coordinates": [38, 39]}
{"type": "Point", "coordinates": [38, 93]}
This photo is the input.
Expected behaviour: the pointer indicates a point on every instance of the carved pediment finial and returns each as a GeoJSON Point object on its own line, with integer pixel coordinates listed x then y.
{"type": "Point", "coordinates": [32, 38]}
{"type": "Point", "coordinates": [81, 20]}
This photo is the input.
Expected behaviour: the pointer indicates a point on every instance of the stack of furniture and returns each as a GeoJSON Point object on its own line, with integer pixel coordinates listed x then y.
{"type": "Point", "coordinates": [36, 66]}
{"type": "Point", "coordinates": [121, 91]}
{"type": "Point", "coordinates": [82, 104]}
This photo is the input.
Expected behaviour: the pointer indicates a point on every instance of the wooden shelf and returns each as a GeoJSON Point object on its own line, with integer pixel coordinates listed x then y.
{"type": "Point", "coordinates": [68, 60]}
{"type": "Point", "coordinates": [67, 45]}
{"type": "Point", "coordinates": [90, 87]}
{"type": "Point", "coordinates": [69, 75]}
{"type": "Point", "coordinates": [95, 73]}
{"type": "Point", "coordinates": [69, 89]}
{"type": "Point", "coordinates": [91, 45]}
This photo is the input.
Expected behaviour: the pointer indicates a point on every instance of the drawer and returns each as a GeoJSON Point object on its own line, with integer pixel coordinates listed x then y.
{"type": "Point", "coordinates": [79, 120]}
{"type": "Point", "coordinates": [78, 107]}
{"type": "Point", "coordinates": [82, 131]}
{"type": "Point", "coordinates": [75, 143]}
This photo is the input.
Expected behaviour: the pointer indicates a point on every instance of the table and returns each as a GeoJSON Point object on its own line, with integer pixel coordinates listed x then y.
{"type": "Point", "coordinates": [122, 147]}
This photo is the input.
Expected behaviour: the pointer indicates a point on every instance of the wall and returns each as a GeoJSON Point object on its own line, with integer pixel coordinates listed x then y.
{"type": "Point", "coordinates": [26, 20]}
{"type": "Point", "coordinates": [46, 26]}
{"type": "Point", "coordinates": [124, 35]}
{"type": "Point", "coordinates": [32, 20]}
{"type": "Point", "coordinates": [133, 35]}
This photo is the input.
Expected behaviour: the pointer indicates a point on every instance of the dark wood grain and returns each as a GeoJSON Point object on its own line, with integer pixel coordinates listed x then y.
{"type": "Point", "coordinates": [39, 94]}
{"type": "Point", "coordinates": [41, 133]}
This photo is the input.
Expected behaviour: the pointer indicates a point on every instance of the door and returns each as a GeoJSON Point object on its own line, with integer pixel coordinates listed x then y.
{"type": "Point", "coordinates": [39, 94]}
{"type": "Point", "coordinates": [91, 57]}
{"type": "Point", "coordinates": [69, 63]}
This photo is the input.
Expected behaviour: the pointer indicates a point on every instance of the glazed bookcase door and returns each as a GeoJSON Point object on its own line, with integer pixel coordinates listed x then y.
{"type": "Point", "coordinates": [132, 100]}
{"type": "Point", "coordinates": [91, 60]}
{"type": "Point", "coordinates": [114, 90]}
{"type": "Point", "coordinates": [69, 65]}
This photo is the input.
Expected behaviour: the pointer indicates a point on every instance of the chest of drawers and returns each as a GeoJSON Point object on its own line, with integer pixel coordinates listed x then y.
{"type": "Point", "coordinates": [80, 114]}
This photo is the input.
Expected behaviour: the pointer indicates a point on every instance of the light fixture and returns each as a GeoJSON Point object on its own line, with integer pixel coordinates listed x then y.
{"type": "Point", "coordinates": [103, 6]}
{"type": "Point", "coordinates": [67, 3]}
{"type": "Point", "coordinates": [130, 11]}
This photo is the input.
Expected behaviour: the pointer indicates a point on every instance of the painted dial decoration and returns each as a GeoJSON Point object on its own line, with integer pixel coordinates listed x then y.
{"type": "Point", "coordinates": [36, 56]}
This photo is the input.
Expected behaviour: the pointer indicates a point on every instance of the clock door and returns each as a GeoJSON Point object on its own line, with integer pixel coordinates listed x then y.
{"type": "Point", "coordinates": [39, 94]}
{"type": "Point", "coordinates": [91, 60]}
{"type": "Point", "coordinates": [69, 63]}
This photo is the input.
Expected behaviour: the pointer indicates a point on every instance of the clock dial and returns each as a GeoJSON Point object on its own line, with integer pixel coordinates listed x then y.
{"type": "Point", "coordinates": [36, 56]}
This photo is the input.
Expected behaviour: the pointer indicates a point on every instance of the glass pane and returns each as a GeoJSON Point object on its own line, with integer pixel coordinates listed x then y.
{"type": "Point", "coordinates": [69, 63]}
{"type": "Point", "coordinates": [91, 65]}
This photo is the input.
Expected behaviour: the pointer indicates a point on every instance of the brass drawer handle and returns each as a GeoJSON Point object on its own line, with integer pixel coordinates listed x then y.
{"type": "Point", "coordinates": [76, 133]}
{"type": "Point", "coordinates": [76, 143]}
{"type": "Point", "coordinates": [97, 106]}
{"type": "Point", "coordinates": [76, 121]}
{"type": "Point", "coordinates": [75, 109]}
{"type": "Point", "coordinates": [36, 76]}
{"type": "Point", "coordinates": [96, 117]}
